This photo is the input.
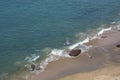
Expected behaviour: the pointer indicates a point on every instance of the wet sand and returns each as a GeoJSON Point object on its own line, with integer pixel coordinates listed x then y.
{"type": "Point", "coordinates": [103, 52]}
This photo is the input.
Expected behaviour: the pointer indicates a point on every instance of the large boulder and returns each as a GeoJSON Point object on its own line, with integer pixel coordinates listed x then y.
{"type": "Point", "coordinates": [75, 52]}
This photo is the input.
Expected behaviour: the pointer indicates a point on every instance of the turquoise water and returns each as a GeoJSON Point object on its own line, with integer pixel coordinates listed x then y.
{"type": "Point", "coordinates": [28, 26]}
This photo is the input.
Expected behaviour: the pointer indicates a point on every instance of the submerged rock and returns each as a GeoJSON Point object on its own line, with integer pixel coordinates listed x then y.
{"type": "Point", "coordinates": [75, 52]}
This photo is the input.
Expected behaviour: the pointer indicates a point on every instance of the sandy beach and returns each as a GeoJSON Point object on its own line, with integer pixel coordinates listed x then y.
{"type": "Point", "coordinates": [104, 64]}
{"type": "Point", "coordinates": [109, 72]}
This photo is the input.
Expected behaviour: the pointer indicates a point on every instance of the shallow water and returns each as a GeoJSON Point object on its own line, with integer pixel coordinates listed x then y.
{"type": "Point", "coordinates": [28, 27]}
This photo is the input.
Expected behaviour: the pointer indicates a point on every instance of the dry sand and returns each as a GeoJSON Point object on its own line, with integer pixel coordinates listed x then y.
{"type": "Point", "coordinates": [107, 73]}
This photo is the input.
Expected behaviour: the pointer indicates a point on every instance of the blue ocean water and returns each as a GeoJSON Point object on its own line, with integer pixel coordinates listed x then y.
{"type": "Point", "coordinates": [27, 26]}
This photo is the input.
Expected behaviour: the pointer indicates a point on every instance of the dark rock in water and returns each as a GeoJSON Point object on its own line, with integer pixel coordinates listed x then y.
{"type": "Point", "coordinates": [103, 36]}
{"type": "Point", "coordinates": [33, 67]}
{"type": "Point", "coordinates": [75, 52]}
{"type": "Point", "coordinates": [118, 45]}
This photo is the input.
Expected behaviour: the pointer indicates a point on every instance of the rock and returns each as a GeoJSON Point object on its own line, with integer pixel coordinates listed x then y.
{"type": "Point", "coordinates": [118, 45]}
{"type": "Point", "coordinates": [33, 67]}
{"type": "Point", "coordinates": [103, 36]}
{"type": "Point", "coordinates": [75, 52]}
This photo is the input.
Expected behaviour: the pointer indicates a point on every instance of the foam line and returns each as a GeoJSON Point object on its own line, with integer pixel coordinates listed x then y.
{"type": "Point", "coordinates": [103, 30]}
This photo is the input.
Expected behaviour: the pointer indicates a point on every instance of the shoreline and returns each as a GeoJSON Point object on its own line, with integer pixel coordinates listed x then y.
{"type": "Point", "coordinates": [102, 53]}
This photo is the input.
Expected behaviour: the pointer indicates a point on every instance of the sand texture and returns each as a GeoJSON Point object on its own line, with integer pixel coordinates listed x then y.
{"type": "Point", "coordinates": [107, 73]}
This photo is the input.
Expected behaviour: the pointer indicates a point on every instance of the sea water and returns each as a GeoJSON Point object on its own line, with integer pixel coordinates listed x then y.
{"type": "Point", "coordinates": [28, 27]}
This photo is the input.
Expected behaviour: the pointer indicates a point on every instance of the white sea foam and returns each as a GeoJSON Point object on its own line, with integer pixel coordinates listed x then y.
{"type": "Point", "coordinates": [35, 58]}
{"type": "Point", "coordinates": [79, 43]}
{"type": "Point", "coordinates": [45, 62]}
{"type": "Point", "coordinates": [103, 30]}
{"type": "Point", "coordinates": [59, 53]}
{"type": "Point", "coordinates": [32, 58]}
{"type": "Point", "coordinates": [55, 54]}
{"type": "Point", "coordinates": [100, 33]}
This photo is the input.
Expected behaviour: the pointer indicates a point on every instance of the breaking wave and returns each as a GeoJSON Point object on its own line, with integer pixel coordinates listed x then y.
{"type": "Point", "coordinates": [32, 58]}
